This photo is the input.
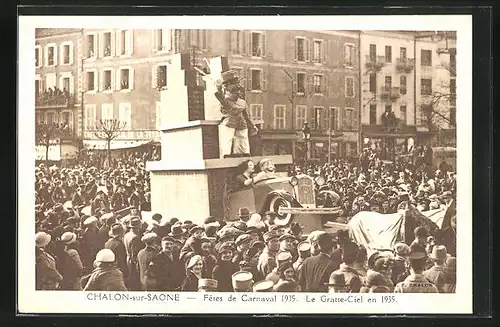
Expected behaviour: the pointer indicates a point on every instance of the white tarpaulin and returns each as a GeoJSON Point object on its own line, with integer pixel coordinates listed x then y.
{"type": "Point", "coordinates": [436, 215]}
{"type": "Point", "coordinates": [377, 231]}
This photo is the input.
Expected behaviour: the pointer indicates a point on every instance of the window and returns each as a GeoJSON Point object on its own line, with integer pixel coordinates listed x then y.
{"type": "Point", "coordinates": [91, 81]}
{"type": "Point", "coordinates": [39, 117]}
{"type": "Point", "coordinates": [388, 82]}
{"type": "Point", "coordinates": [402, 113]}
{"type": "Point", "coordinates": [38, 57]}
{"type": "Point", "coordinates": [373, 52]}
{"type": "Point", "coordinates": [349, 87]}
{"type": "Point", "coordinates": [161, 76]}
{"type": "Point", "coordinates": [388, 108]}
{"type": "Point", "coordinates": [373, 114]}
{"type": "Point", "coordinates": [318, 51]}
{"type": "Point", "coordinates": [350, 149]}
{"type": "Point", "coordinates": [349, 119]}
{"type": "Point", "coordinates": [51, 117]}
{"type": "Point", "coordinates": [279, 116]}
{"type": "Point", "coordinates": [319, 122]}
{"type": "Point", "coordinates": [107, 111]}
{"type": "Point", "coordinates": [91, 45]}
{"type": "Point", "coordinates": [257, 44]}
{"type": "Point", "coordinates": [161, 40]}
{"type": "Point", "coordinates": [334, 118]}
{"type": "Point", "coordinates": [37, 88]}
{"type": "Point", "coordinates": [301, 83]}
{"type": "Point", "coordinates": [388, 53]}
{"type": "Point", "coordinates": [67, 119]}
{"type": "Point", "coordinates": [50, 81]}
{"type": "Point", "coordinates": [300, 49]}
{"type": "Point", "coordinates": [124, 42]}
{"type": "Point", "coordinates": [256, 79]}
{"type": "Point", "coordinates": [66, 84]}
{"type": "Point", "coordinates": [51, 55]}
{"type": "Point", "coordinates": [256, 111]}
{"type": "Point", "coordinates": [90, 116]}
{"type": "Point", "coordinates": [177, 40]}
{"type": "Point", "coordinates": [426, 86]}
{"type": "Point", "coordinates": [236, 41]}
{"type": "Point", "coordinates": [301, 116]}
{"type": "Point", "coordinates": [318, 83]}
{"type": "Point", "coordinates": [349, 55]}
{"type": "Point", "coordinates": [199, 39]}
{"type": "Point", "coordinates": [106, 84]}
{"type": "Point", "coordinates": [373, 82]}
{"type": "Point", "coordinates": [402, 84]}
{"type": "Point", "coordinates": [126, 79]}
{"type": "Point", "coordinates": [106, 44]}
{"type": "Point", "coordinates": [426, 57]}
{"type": "Point", "coordinates": [125, 114]}
{"type": "Point", "coordinates": [66, 54]}
{"type": "Point", "coordinates": [402, 53]}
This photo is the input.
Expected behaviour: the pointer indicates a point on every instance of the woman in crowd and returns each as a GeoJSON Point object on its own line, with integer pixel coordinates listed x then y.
{"type": "Point", "coordinates": [194, 269]}
{"type": "Point", "coordinates": [106, 276]}
{"type": "Point", "coordinates": [225, 269]}
{"type": "Point", "coordinates": [72, 267]}
{"type": "Point", "coordinates": [244, 175]}
{"type": "Point", "coordinates": [287, 275]}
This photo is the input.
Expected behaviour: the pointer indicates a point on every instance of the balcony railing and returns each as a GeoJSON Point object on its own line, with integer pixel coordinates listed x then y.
{"type": "Point", "coordinates": [375, 64]}
{"type": "Point", "coordinates": [130, 135]}
{"type": "Point", "coordinates": [405, 64]}
{"type": "Point", "coordinates": [389, 93]}
{"type": "Point", "coordinates": [55, 99]}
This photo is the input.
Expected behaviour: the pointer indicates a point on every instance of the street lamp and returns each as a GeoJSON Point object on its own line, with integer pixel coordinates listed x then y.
{"type": "Point", "coordinates": [306, 137]}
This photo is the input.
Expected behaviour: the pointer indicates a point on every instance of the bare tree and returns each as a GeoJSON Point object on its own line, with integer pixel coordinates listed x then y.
{"type": "Point", "coordinates": [44, 134]}
{"type": "Point", "coordinates": [108, 129]}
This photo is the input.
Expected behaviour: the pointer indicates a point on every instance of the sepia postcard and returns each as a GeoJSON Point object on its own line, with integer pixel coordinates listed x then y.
{"type": "Point", "coordinates": [319, 159]}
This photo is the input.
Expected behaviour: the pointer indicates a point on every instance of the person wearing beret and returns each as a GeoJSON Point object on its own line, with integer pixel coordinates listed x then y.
{"type": "Point", "coordinates": [145, 256]}
{"type": "Point", "coordinates": [72, 266]}
{"type": "Point", "coordinates": [194, 269]}
{"type": "Point", "coordinates": [243, 243]}
{"type": "Point", "coordinates": [225, 268]}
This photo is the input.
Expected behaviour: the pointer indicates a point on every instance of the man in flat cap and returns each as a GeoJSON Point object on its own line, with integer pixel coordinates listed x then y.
{"type": "Point", "coordinates": [115, 244]}
{"type": "Point", "coordinates": [165, 272]}
{"type": "Point", "coordinates": [267, 260]}
{"type": "Point", "coordinates": [145, 256]}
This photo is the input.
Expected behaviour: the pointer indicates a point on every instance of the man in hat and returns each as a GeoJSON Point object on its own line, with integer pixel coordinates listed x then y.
{"type": "Point", "coordinates": [133, 244]}
{"type": "Point", "coordinates": [145, 256]}
{"type": "Point", "coordinates": [225, 268]}
{"type": "Point", "coordinates": [242, 281]}
{"type": "Point", "coordinates": [233, 130]}
{"type": "Point", "coordinates": [421, 235]}
{"type": "Point", "coordinates": [90, 242]}
{"type": "Point", "coordinates": [243, 243]}
{"type": "Point", "coordinates": [137, 198]}
{"type": "Point", "coordinates": [106, 276]}
{"type": "Point", "coordinates": [208, 257]}
{"type": "Point", "coordinates": [352, 278]}
{"type": "Point", "coordinates": [400, 269]}
{"type": "Point", "coordinates": [337, 283]}
{"type": "Point", "coordinates": [436, 273]}
{"type": "Point", "coordinates": [287, 244]}
{"type": "Point", "coordinates": [119, 199]}
{"type": "Point", "coordinates": [165, 272]}
{"type": "Point", "coordinates": [317, 269]}
{"type": "Point", "coordinates": [267, 170]}
{"type": "Point", "coordinates": [267, 260]}
{"type": "Point", "coordinates": [416, 282]}
{"type": "Point", "coordinates": [304, 250]}
{"type": "Point", "coordinates": [115, 244]}
{"type": "Point", "coordinates": [107, 220]}
{"type": "Point", "coordinates": [100, 201]}
{"type": "Point", "coordinates": [193, 243]}
{"type": "Point", "coordinates": [243, 214]}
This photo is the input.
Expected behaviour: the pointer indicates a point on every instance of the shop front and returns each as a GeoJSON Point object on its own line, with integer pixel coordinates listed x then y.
{"type": "Point", "coordinates": [389, 144]}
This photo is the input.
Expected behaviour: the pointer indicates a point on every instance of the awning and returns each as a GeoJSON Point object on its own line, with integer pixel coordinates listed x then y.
{"type": "Point", "coordinates": [115, 144]}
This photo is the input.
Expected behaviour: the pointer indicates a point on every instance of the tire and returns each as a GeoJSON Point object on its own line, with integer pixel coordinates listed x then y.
{"type": "Point", "coordinates": [274, 205]}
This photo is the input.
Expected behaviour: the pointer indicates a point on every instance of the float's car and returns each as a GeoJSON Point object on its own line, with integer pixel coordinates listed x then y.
{"type": "Point", "coordinates": [288, 197]}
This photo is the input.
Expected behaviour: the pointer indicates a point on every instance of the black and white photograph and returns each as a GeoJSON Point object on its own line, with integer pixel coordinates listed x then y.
{"type": "Point", "coordinates": [242, 159]}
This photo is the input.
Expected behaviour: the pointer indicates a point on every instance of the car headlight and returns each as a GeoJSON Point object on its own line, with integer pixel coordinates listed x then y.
{"type": "Point", "coordinates": [294, 181]}
{"type": "Point", "coordinates": [320, 180]}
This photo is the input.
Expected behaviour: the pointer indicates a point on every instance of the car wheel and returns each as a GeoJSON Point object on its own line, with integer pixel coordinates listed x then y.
{"type": "Point", "coordinates": [275, 204]}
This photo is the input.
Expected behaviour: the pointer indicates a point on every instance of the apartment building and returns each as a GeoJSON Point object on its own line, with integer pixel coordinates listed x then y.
{"type": "Point", "coordinates": [57, 86]}
{"type": "Point", "coordinates": [123, 72]}
{"type": "Point", "coordinates": [293, 77]}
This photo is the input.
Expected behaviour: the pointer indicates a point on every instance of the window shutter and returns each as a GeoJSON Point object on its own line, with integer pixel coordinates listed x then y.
{"type": "Point", "coordinates": [129, 42]}
{"type": "Point", "coordinates": [71, 84]}
{"type": "Point", "coordinates": [248, 37]}
{"type": "Point", "coordinates": [307, 50]}
{"type": "Point", "coordinates": [96, 81]}
{"type": "Point", "coordinates": [71, 54]}
{"type": "Point", "coordinates": [324, 51]}
{"type": "Point", "coordinates": [154, 74]}
{"type": "Point", "coordinates": [264, 80]}
{"type": "Point", "coordinates": [230, 42]}
{"type": "Point", "coordinates": [263, 45]}
{"type": "Point", "coordinates": [295, 49]}
{"type": "Point", "coordinates": [354, 120]}
{"type": "Point", "coordinates": [131, 78]}
{"type": "Point", "coordinates": [114, 52]}
{"type": "Point", "coordinates": [344, 119]}
{"type": "Point", "coordinates": [249, 79]}
{"type": "Point", "coordinates": [118, 80]}
{"type": "Point", "coordinates": [61, 53]}
{"type": "Point", "coordinates": [324, 87]}
{"type": "Point", "coordinates": [112, 73]}
{"type": "Point", "coordinates": [295, 85]}
{"type": "Point", "coordinates": [193, 39]}
{"type": "Point", "coordinates": [55, 55]}
{"type": "Point", "coordinates": [100, 87]}
{"type": "Point", "coordinates": [101, 45]}
{"type": "Point", "coordinates": [309, 86]}
{"type": "Point", "coordinates": [46, 55]}
{"type": "Point", "coordinates": [165, 39]}
{"type": "Point", "coordinates": [243, 79]}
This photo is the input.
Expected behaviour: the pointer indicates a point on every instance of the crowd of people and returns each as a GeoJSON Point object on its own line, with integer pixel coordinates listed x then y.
{"type": "Point", "coordinates": [98, 241]}
{"type": "Point", "coordinates": [53, 96]}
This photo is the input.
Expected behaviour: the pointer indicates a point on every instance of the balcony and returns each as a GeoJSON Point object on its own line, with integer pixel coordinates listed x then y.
{"type": "Point", "coordinates": [405, 65]}
{"type": "Point", "coordinates": [374, 64]}
{"type": "Point", "coordinates": [389, 93]}
{"type": "Point", "coordinates": [130, 135]}
{"type": "Point", "coordinates": [55, 99]}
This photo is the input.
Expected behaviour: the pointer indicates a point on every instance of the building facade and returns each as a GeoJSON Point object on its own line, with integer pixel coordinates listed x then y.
{"type": "Point", "coordinates": [57, 86]}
